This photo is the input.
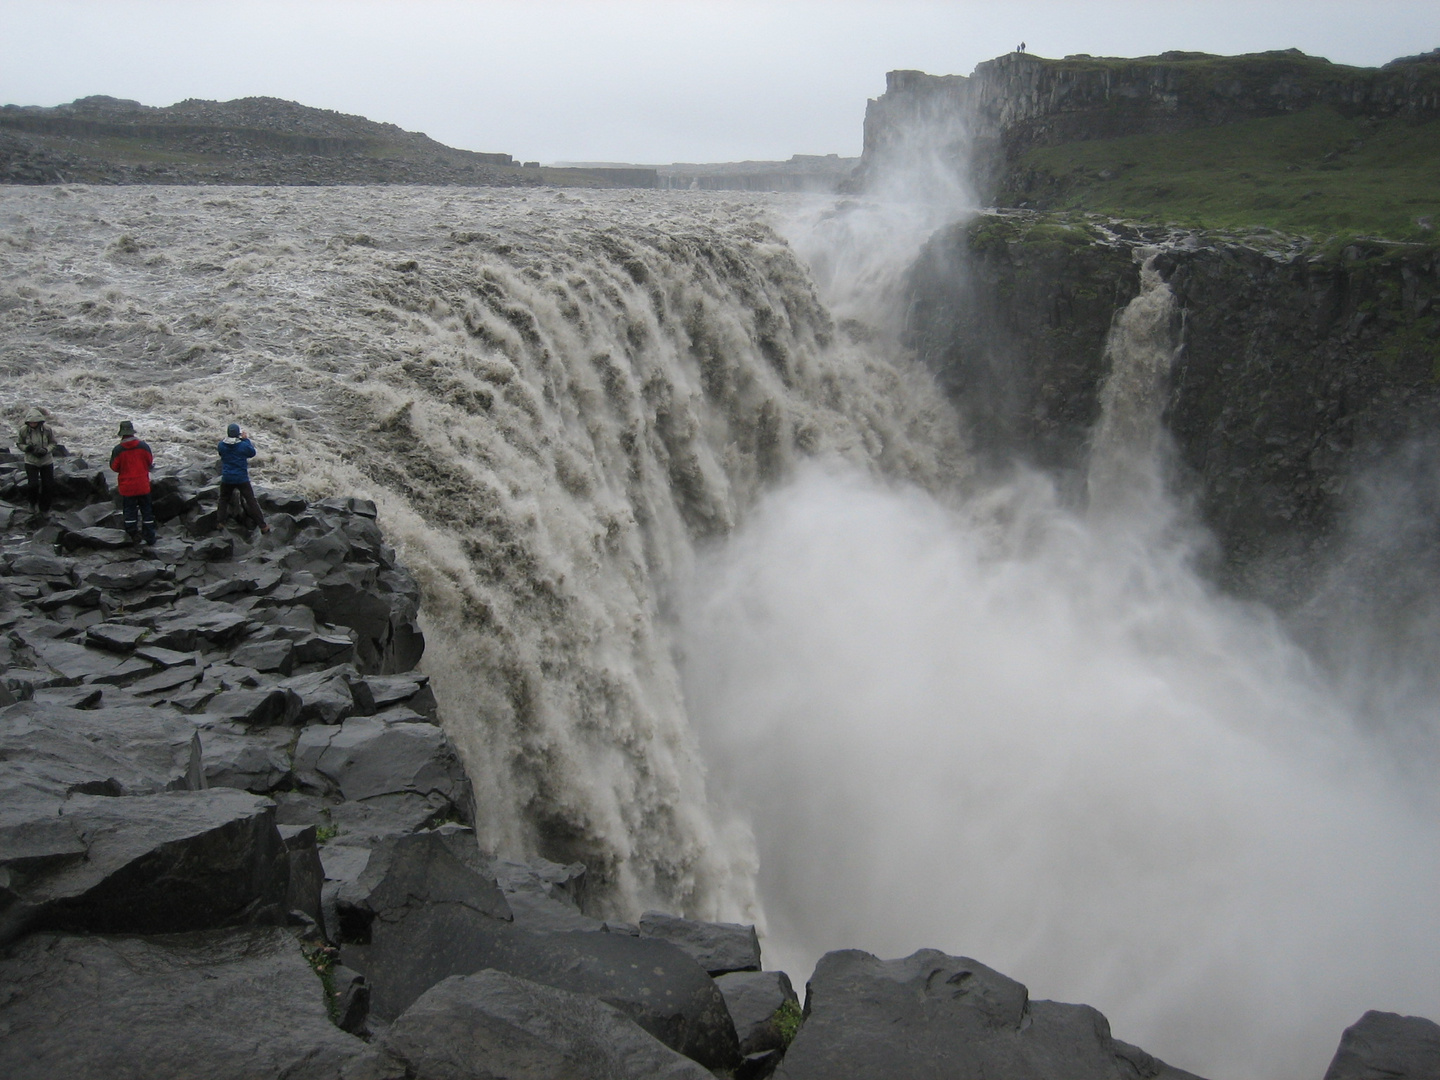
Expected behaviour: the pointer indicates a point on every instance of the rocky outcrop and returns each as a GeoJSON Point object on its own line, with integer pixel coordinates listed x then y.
{"type": "Point", "coordinates": [936, 1016]}
{"type": "Point", "coordinates": [982, 123]}
{"type": "Point", "coordinates": [1302, 367]}
{"type": "Point", "coordinates": [1382, 1044]}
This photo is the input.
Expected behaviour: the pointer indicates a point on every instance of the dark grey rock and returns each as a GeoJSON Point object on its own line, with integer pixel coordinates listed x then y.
{"type": "Point", "coordinates": [116, 637]}
{"type": "Point", "coordinates": [88, 596]}
{"type": "Point", "coordinates": [307, 875]}
{"type": "Point", "coordinates": [237, 757]}
{"type": "Point", "coordinates": [544, 895]}
{"type": "Point", "coordinates": [367, 821]}
{"type": "Point", "coordinates": [410, 689]}
{"type": "Point", "coordinates": [216, 623]}
{"type": "Point", "coordinates": [365, 756]}
{"type": "Point", "coordinates": [181, 860]}
{"type": "Point", "coordinates": [492, 1024]}
{"type": "Point", "coordinates": [95, 537]}
{"type": "Point", "coordinates": [1387, 1046]}
{"type": "Point", "coordinates": [35, 564]}
{"type": "Point", "coordinates": [931, 1016]}
{"type": "Point", "coordinates": [265, 706]}
{"type": "Point", "coordinates": [132, 751]}
{"type": "Point", "coordinates": [328, 696]}
{"type": "Point", "coordinates": [277, 655]}
{"type": "Point", "coordinates": [214, 548]}
{"type": "Point", "coordinates": [166, 682]}
{"type": "Point", "coordinates": [716, 947]}
{"type": "Point", "coordinates": [352, 999]}
{"type": "Point", "coordinates": [166, 657]}
{"type": "Point", "coordinates": [223, 1005]}
{"type": "Point", "coordinates": [69, 697]}
{"type": "Point", "coordinates": [753, 998]}
{"type": "Point", "coordinates": [122, 577]}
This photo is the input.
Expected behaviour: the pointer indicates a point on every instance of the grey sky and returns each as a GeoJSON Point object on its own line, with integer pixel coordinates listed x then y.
{"type": "Point", "coordinates": [627, 80]}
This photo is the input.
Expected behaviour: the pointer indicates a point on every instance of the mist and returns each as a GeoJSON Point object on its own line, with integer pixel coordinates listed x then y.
{"type": "Point", "coordinates": [987, 720]}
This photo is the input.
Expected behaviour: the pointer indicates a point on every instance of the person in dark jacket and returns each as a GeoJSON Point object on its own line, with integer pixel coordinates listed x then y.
{"type": "Point", "coordinates": [36, 442]}
{"type": "Point", "coordinates": [236, 450]}
{"type": "Point", "coordinates": [132, 461]}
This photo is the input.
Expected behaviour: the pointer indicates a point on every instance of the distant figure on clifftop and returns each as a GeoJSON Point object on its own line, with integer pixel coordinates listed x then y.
{"type": "Point", "coordinates": [1021, 48]}
{"type": "Point", "coordinates": [132, 461]}
{"type": "Point", "coordinates": [236, 450]}
{"type": "Point", "coordinates": [37, 443]}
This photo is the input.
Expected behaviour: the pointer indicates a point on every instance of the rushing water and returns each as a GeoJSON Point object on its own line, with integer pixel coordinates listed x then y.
{"type": "Point", "coordinates": [711, 607]}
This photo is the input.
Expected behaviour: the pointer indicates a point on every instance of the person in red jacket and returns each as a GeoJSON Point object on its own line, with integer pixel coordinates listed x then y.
{"type": "Point", "coordinates": [132, 461]}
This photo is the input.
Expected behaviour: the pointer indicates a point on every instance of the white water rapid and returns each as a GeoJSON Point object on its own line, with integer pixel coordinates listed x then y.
{"type": "Point", "coordinates": [712, 607]}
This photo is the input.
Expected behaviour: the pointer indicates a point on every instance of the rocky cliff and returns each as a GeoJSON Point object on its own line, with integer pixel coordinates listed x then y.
{"type": "Point", "coordinates": [1019, 101]}
{"type": "Point", "coordinates": [1303, 367]}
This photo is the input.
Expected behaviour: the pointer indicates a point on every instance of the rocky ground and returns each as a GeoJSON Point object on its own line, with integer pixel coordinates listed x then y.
{"type": "Point", "coordinates": [234, 842]}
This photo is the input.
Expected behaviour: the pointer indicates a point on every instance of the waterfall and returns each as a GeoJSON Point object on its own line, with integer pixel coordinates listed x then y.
{"type": "Point", "coordinates": [555, 399]}
{"type": "Point", "coordinates": [1127, 454]}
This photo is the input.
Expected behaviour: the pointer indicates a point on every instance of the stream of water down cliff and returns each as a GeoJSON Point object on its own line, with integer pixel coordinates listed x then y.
{"type": "Point", "coordinates": [715, 606]}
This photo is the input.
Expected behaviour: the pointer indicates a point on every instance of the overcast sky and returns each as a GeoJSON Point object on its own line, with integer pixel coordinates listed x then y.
{"type": "Point", "coordinates": [651, 81]}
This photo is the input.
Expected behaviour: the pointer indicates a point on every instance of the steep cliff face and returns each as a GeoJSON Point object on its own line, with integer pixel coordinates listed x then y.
{"type": "Point", "coordinates": [1302, 369]}
{"type": "Point", "coordinates": [1017, 102]}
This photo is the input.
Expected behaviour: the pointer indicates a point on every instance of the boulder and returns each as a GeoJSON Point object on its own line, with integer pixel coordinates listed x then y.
{"type": "Point", "coordinates": [180, 860]}
{"type": "Point", "coordinates": [95, 537]}
{"type": "Point", "coordinates": [135, 750]}
{"type": "Point", "coordinates": [263, 706]}
{"type": "Point", "coordinates": [753, 998]}
{"type": "Point", "coordinates": [277, 655]}
{"type": "Point", "coordinates": [1387, 1046]}
{"type": "Point", "coordinates": [223, 1004]}
{"type": "Point", "coordinates": [122, 577]}
{"type": "Point", "coordinates": [931, 1016]}
{"type": "Point", "coordinates": [544, 895]}
{"type": "Point", "coordinates": [237, 757]}
{"type": "Point", "coordinates": [492, 1024]}
{"type": "Point", "coordinates": [365, 756]}
{"type": "Point", "coordinates": [329, 696]}
{"type": "Point", "coordinates": [115, 637]}
{"type": "Point", "coordinates": [420, 912]}
{"type": "Point", "coordinates": [716, 947]}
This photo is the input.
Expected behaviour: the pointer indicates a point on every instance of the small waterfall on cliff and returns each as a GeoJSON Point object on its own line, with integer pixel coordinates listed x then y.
{"type": "Point", "coordinates": [1127, 449]}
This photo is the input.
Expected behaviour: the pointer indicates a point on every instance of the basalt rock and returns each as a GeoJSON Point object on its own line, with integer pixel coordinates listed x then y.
{"type": "Point", "coordinates": [1389, 1046]}
{"type": "Point", "coordinates": [932, 1016]}
{"type": "Point", "coordinates": [716, 947]}
{"type": "Point", "coordinates": [492, 1024]}
{"type": "Point", "coordinates": [223, 1004]}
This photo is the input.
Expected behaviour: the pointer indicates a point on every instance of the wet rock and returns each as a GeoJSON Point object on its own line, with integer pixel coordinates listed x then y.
{"type": "Point", "coordinates": [276, 655]}
{"type": "Point", "coordinates": [366, 756]}
{"type": "Point", "coordinates": [122, 577]}
{"type": "Point", "coordinates": [410, 689]}
{"type": "Point", "coordinates": [1387, 1046]}
{"type": "Point", "coordinates": [544, 895]}
{"type": "Point", "coordinates": [367, 821]}
{"type": "Point", "coordinates": [306, 874]}
{"type": "Point", "coordinates": [330, 696]}
{"type": "Point", "coordinates": [95, 537]}
{"type": "Point", "coordinates": [149, 863]}
{"type": "Point", "coordinates": [116, 637]}
{"type": "Point", "coordinates": [88, 596]}
{"type": "Point", "coordinates": [493, 1024]}
{"type": "Point", "coordinates": [753, 998]}
{"type": "Point", "coordinates": [236, 1005]}
{"type": "Point", "coordinates": [236, 757]}
{"type": "Point", "coordinates": [261, 707]}
{"type": "Point", "coordinates": [139, 750]}
{"type": "Point", "coordinates": [716, 947]}
{"type": "Point", "coordinates": [958, 1018]}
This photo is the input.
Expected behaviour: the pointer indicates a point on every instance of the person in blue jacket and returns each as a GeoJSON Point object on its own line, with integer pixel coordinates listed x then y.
{"type": "Point", "coordinates": [236, 450]}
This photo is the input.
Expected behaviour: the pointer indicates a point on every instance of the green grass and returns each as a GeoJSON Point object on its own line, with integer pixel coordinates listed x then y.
{"type": "Point", "coordinates": [1314, 172]}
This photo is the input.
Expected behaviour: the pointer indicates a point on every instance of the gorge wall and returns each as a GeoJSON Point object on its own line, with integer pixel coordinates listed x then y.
{"type": "Point", "coordinates": [1303, 370]}
{"type": "Point", "coordinates": [978, 125]}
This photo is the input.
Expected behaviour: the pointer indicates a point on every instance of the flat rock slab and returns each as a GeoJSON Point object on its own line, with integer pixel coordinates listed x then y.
{"type": "Point", "coordinates": [175, 861]}
{"type": "Point", "coordinates": [496, 1025]}
{"type": "Point", "coordinates": [365, 756]}
{"type": "Point", "coordinates": [223, 1005]}
{"type": "Point", "coordinates": [1389, 1046]}
{"type": "Point", "coordinates": [931, 1016]}
{"type": "Point", "coordinates": [716, 947]}
{"type": "Point", "coordinates": [134, 751]}
{"type": "Point", "coordinates": [115, 637]}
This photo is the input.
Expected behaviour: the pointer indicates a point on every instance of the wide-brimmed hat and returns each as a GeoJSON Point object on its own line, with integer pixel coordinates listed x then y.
{"type": "Point", "coordinates": [36, 415]}
{"type": "Point", "coordinates": [126, 428]}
